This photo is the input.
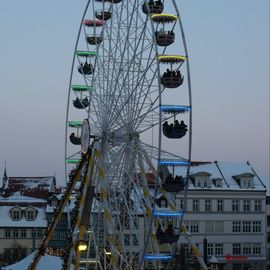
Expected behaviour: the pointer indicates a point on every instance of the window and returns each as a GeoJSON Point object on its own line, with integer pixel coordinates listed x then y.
{"type": "Point", "coordinates": [246, 226]}
{"type": "Point", "coordinates": [15, 233]}
{"type": "Point", "coordinates": [7, 233]}
{"type": "Point", "coordinates": [186, 222]}
{"type": "Point", "coordinates": [257, 248]}
{"type": "Point", "coordinates": [257, 206]}
{"type": "Point", "coordinates": [236, 248]}
{"type": "Point", "coordinates": [63, 220]}
{"type": "Point", "coordinates": [8, 253]}
{"type": "Point", "coordinates": [54, 236]}
{"type": "Point", "coordinates": [100, 236]}
{"type": "Point", "coordinates": [180, 203]}
{"type": "Point", "coordinates": [23, 233]}
{"type": "Point", "coordinates": [62, 236]}
{"type": "Point", "coordinates": [163, 203]}
{"type": "Point", "coordinates": [194, 226]}
{"type": "Point", "coordinates": [33, 233]}
{"type": "Point", "coordinates": [126, 239]}
{"type": "Point", "coordinates": [236, 226]}
{"type": "Point", "coordinates": [257, 226]}
{"type": "Point", "coordinates": [219, 227]}
{"type": "Point", "coordinates": [220, 205]}
{"type": "Point", "coordinates": [210, 249]}
{"type": "Point", "coordinates": [23, 252]}
{"type": "Point", "coordinates": [209, 226]}
{"type": "Point", "coordinates": [16, 215]}
{"type": "Point", "coordinates": [184, 248]}
{"type": "Point", "coordinates": [30, 215]}
{"type": "Point", "coordinates": [249, 183]}
{"type": "Point", "coordinates": [199, 183]}
{"type": "Point", "coordinates": [205, 183]}
{"type": "Point", "coordinates": [235, 205]}
{"type": "Point", "coordinates": [218, 248]}
{"type": "Point", "coordinates": [195, 205]}
{"type": "Point", "coordinates": [39, 233]}
{"type": "Point", "coordinates": [54, 202]}
{"type": "Point", "coordinates": [246, 205]}
{"type": "Point", "coordinates": [247, 248]}
{"type": "Point", "coordinates": [136, 223]}
{"type": "Point", "coordinates": [135, 240]}
{"type": "Point", "coordinates": [207, 205]}
{"type": "Point", "coordinates": [218, 183]}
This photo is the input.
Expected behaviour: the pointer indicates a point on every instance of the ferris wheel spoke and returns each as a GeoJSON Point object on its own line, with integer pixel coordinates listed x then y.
{"type": "Point", "coordinates": [138, 109]}
{"type": "Point", "coordinates": [150, 150]}
{"type": "Point", "coordinates": [133, 57]}
{"type": "Point", "coordinates": [130, 95]}
{"type": "Point", "coordinates": [115, 53]}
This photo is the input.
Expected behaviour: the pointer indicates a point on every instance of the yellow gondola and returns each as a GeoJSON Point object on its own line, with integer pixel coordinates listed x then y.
{"type": "Point", "coordinates": [171, 58]}
{"type": "Point", "coordinates": [164, 18]}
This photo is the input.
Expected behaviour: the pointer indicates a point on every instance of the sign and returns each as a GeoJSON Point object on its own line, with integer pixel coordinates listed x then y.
{"type": "Point", "coordinates": [85, 137]}
{"type": "Point", "coordinates": [236, 258]}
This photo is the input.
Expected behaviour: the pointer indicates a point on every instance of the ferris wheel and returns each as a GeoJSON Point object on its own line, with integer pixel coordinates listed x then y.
{"type": "Point", "coordinates": [130, 101]}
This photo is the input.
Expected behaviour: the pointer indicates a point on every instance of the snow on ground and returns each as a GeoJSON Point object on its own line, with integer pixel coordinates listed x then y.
{"type": "Point", "coordinates": [46, 262]}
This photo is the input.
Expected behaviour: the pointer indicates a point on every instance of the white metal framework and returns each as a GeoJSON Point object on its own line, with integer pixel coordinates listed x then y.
{"type": "Point", "coordinates": [130, 79]}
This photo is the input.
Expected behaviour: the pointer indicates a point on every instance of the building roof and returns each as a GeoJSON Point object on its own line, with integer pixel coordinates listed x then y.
{"type": "Point", "coordinates": [18, 199]}
{"type": "Point", "coordinates": [232, 170]}
{"type": "Point", "coordinates": [37, 187]}
{"type": "Point", "coordinates": [227, 171]}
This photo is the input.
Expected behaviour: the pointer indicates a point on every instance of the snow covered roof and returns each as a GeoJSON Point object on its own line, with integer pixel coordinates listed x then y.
{"type": "Point", "coordinates": [226, 171]}
{"type": "Point", "coordinates": [232, 170]}
{"type": "Point", "coordinates": [51, 209]}
{"type": "Point", "coordinates": [17, 198]}
{"type": "Point", "coordinates": [38, 187]}
{"type": "Point", "coordinates": [6, 220]}
{"type": "Point", "coordinates": [46, 262]}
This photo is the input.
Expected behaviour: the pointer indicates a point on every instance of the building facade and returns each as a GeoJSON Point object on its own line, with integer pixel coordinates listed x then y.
{"type": "Point", "coordinates": [26, 207]}
{"type": "Point", "coordinates": [226, 205]}
{"type": "Point", "coordinates": [268, 230]}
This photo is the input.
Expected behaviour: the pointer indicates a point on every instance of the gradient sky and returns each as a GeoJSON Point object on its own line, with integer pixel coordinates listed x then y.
{"type": "Point", "coordinates": [228, 44]}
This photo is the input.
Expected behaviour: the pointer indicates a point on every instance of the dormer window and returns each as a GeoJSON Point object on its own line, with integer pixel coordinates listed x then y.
{"type": "Point", "coordinates": [245, 180]}
{"type": "Point", "coordinates": [248, 183]}
{"type": "Point", "coordinates": [16, 213]}
{"type": "Point", "coordinates": [218, 182]}
{"type": "Point", "coordinates": [54, 203]}
{"type": "Point", "coordinates": [30, 213]}
{"type": "Point", "coordinates": [201, 179]}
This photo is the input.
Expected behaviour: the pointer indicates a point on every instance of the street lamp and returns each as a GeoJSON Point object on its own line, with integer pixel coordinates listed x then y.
{"type": "Point", "coordinates": [82, 246]}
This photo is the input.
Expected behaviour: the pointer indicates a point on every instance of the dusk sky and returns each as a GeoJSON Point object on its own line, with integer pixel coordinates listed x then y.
{"type": "Point", "coordinates": [228, 43]}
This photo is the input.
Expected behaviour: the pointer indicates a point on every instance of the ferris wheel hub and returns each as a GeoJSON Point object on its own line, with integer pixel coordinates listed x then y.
{"type": "Point", "coordinates": [118, 137]}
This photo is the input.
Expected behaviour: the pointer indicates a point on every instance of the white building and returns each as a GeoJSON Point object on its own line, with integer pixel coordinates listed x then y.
{"type": "Point", "coordinates": [23, 219]}
{"type": "Point", "coordinates": [226, 204]}
{"type": "Point", "coordinates": [268, 230]}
